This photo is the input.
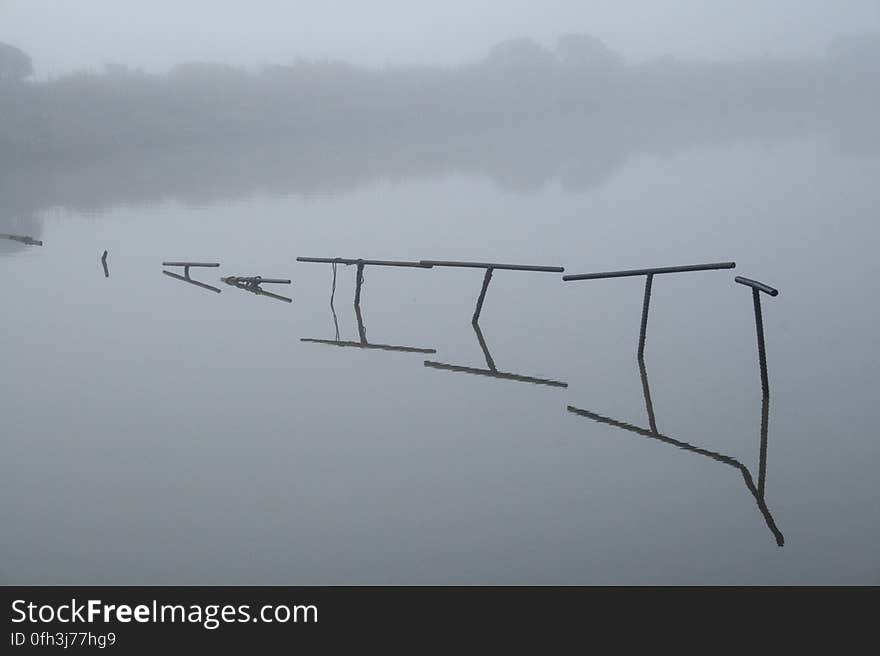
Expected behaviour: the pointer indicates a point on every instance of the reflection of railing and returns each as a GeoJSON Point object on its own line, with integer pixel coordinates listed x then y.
{"type": "Point", "coordinates": [368, 345]}
{"type": "Point", "coordinates": [649, 281]}
{"type": "Point", "coordinates": [22, 239]}
{"type": "Point", "coordinates": [492, 370]}
{"type": "Point", "coordinates": [362, 342]}
{"type": "Point", "coordinates": [185, 277]}
{"type": "Point", "coordinates": [757, 491]}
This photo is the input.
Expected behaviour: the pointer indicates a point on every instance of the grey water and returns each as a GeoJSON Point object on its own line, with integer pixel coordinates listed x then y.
{"type": "Point", "coordinates": [155, 431]}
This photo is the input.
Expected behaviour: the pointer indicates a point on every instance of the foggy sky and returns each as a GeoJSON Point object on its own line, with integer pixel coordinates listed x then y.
{"type": "Point", "coordinates": [62, 35]}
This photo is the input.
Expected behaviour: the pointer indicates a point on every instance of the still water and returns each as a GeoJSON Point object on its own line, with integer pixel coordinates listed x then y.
{"type": "Point", "coordinates": [156, 432]}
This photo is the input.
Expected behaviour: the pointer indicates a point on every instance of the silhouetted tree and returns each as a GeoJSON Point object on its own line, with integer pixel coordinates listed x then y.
{"type": "Point", "coordinates": [15, 64]}
{"type": "Point", "coordinates": [588, 52]}
{"type": "Point", "coordinates": [518, 83]}
{"type": "Point", "coordinates": [520, 54]}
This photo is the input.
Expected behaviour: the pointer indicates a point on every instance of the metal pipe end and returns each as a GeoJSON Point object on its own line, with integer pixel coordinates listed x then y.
{"type": "Point", "coordinates": [754, 284]}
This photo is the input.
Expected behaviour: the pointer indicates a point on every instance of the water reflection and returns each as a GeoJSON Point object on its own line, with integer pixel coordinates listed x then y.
{"type": "Point", "coordinates": [22, 239]}
{"type": "Point", "coordinates": [579, 154]}
{"type": "Point", "coordinates": [104, 265]}
{"type": "Point", "coordinates": [186, 277]}
{"type": "Point", "coordinates": [15, 223]}
{"type": "Point", "coordinates": [652, 432]}
{"type": "Point", "coordinates": [491, 370]}
{"type": "Point", "coordinates": [362, 341]}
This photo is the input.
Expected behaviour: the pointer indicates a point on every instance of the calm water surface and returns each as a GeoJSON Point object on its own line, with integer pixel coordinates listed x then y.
{"type": "Point", "coordinates": [156, 432]}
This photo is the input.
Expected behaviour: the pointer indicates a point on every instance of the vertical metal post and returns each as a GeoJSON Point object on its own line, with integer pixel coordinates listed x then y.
{"type": "Point", "coordinates": [332, 298]}
{"type": "Point", "coordinates": [762, 458]}
{"type": "Point", "coordinates": [765, 390]}
{"type": "Point", "coordinates": [486, 280]}
{"type": "Point", "coordinates": [762, 353]}
{"type": "Point", "coordinates": [646, 303]}
{"type": "Point", "coordinates": [358, 283]}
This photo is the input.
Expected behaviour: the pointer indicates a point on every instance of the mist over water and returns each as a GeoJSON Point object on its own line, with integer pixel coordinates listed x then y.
{"type": "Point", "coordinates": [155, 36]}
{"type": "Point", "coordinates": [160, 431]}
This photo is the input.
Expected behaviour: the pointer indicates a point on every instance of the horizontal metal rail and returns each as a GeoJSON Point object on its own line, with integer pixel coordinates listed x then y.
{"type": "Point", "coordinates": [192, 264]}
{"type": "Point", "coordinates": [492, 265]}
{"type": "Point", "coordinates": [649, 272]}
{"type": "Point", "coordinates": [349, 261]}
{"type": "Point", "coordinates": [754, 284]}
{"type": "Point", "coordinates": [381, 347]}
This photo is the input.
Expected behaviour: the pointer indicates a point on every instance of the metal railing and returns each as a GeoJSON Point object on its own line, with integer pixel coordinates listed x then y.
{"type": "Point", "coordinates": [490, 267]}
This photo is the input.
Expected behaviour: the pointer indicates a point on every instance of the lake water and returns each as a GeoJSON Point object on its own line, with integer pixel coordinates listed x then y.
{"type": "Point", "coordinates": [157, 432]}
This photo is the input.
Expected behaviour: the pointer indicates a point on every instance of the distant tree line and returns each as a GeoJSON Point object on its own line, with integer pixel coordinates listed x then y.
{"type": "Point", "coordinates": [519, 82]}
